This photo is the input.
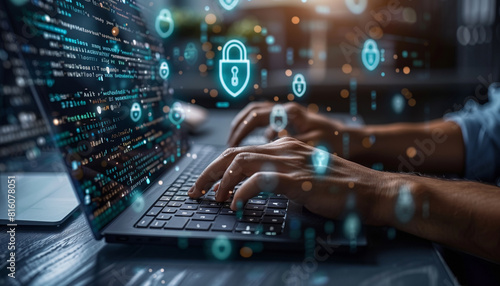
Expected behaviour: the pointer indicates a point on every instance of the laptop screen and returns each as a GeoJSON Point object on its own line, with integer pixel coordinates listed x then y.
{"type": "Point", "coordinates": [101, 71]}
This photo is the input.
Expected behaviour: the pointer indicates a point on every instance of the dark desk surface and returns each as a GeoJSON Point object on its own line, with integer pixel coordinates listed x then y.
{"type": "Point", "coordinates": [69, 255]}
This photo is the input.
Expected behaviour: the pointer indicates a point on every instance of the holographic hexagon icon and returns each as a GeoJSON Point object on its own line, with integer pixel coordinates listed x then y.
{"type": "Point", "coordinates": [164, 23]}
{"type": "Point", "coordinates": [278, 118]}
{"type": "Point", "coordinates": [321, 160]}
{"type": "Point", "coordinates": [234, 73]}
{"type": "Point", "coordinates": [229, 4]}
{"type": "Point", "coordinates": [177, 114]}
{"type": "Point", "coordinates": [356, 6]}
{"type": "Point", "coordinates": [299, 85]}
{"type": "Point", "coordinates": [370, 55]}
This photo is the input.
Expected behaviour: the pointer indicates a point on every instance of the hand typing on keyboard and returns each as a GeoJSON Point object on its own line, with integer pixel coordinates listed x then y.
{"type": "Point", "coordinates": [296, 179]}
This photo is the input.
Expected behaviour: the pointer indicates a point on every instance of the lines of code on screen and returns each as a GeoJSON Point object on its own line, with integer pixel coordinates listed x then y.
{"type": "Point", "coordinates": [96, 66]}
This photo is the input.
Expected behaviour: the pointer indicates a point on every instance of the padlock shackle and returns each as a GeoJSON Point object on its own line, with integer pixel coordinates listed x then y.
{"type": "Point", "coordinates": [234, 44]}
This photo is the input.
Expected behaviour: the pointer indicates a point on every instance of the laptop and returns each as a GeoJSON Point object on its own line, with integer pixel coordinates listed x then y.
{"type": "Point", "coordinates": [103, 73]}
{"type": "Point", "coordinates": [28, 157]}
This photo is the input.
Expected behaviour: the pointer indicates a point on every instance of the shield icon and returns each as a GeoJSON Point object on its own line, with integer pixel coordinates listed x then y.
{"type": "Point", "coordinates": [234, 74]}
{"type": "Point", "coordinates": [228, 4]}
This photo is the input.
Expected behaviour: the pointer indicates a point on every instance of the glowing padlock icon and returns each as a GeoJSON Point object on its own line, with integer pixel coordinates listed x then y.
{"type": "Point", "coordinates": [191, 54]}
{"type": "Point", "coordinates": [164, 23]}
{"type": "Point", "coordinates": [320, 159]}
{"type": "Point", "coordinates": [164, 70]}
{"type": "Point", "coordinates": [370, 55]}
{"type": "Point", "coordinates": [177, 114]}
{"type": "Point", "coordinates": [299, 85]}
{"type": "Point", "coordinates": [135, 112]}
{"type": "Point", "coordinates": [356, 6]}
{"type": "Point", "coordinates": [228, 4]}
{"type": "Point", "coordinates": [234, 69]}
{"type": "Point", "coordinates": [278, 118]}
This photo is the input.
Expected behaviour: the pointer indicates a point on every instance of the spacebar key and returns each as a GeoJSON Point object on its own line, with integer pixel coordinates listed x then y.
{"type": "Point", "coordinates": [177, 223]}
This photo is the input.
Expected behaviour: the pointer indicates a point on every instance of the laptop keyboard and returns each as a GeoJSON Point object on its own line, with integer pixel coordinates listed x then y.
{"type": "Point", "coordinates": [175, 210]}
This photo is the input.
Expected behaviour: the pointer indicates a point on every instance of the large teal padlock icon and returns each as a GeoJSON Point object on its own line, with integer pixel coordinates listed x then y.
{"type": "Point", "coordinates": [370, 55]}
{"type": "Point", "coordinates": [299, 85]}
{"type": "Point", "coordinates": [191, 54]}
{"type": "Point", "coordinates": [234, 68]}
{"type": "Point", "coordinates": [135, 112]}
{"type": "Point", "coordinates": [164, 23]}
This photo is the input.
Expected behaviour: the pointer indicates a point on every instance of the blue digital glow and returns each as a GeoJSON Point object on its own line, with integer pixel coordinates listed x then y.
{"type": "Point", "coordinates": [177, 114]}
{"type": "Point", "coordinates": [234, 74]}
{"type": "Point", "coordinates": [229, 4]}
{"type": "Point", "coordinates": [398, 103]}
{"type": "Point", "coordinates": [164, 23]}
{"type": "Point", "coordinates": [270, 40]}
{"type": "Point", "coordinates": [356, 6]}
{"type": "Point", "coordinates": [320, 159]}
{"type": "Point", "coordinates": [299, 85]}
{"type": "Point", "coordinates": [221, 248]}
{"type": "Point", "coordinates": [135, 112]}
{"type": "Point", "coordinates": [164, 70]}
{"type": "Point", "coordinates": [370, 55]}
{"type": "Point", "coordinates": [191, 54]}
{"type": "Point", "coordinates": [405, 206]}
{"type": "Point", "coordinates": [278, 118]}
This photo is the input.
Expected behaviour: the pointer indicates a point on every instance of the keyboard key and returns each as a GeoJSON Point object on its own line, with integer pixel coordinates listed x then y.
{"type": "Point", "coordinates": [255, 207]}
{"type": "Point", "coordinates": [169, 210]}
{"type": "Point", "coordinates": [208, 210]}
{"type": "Point", "coordinates": [183, 193]}
{"type": "Point", "coordinates": [278, 204]}
{"type": "Point", "coordinates": [144, 222]}
{"type": "Point", "coordinates": [163, 216]}
{"type": "Point", "coordinates": [157, 224]}
{"type": "Point", "coordinates": [154, 211]}
{"type": "Point", "coordinates": [252, 213]}
{"type": "Point", "coordinates": [211, 204]}
{"type": "Point", "coordinates": [246, 226]}
{"type": "Point", "coordinates": [227, 212]}
{"type": "Point", "coordinates": [250, 219]}
{"type": "Point", "coordinates": [174, 187]}
{"type": "Point", "coordinates": [165, 198]}
{"type": "Point", "coordinates": [160, 204]}
{"type": "Point", "coordinates": [272, 229]}
{"type": "Point", "coordinates": [274, 212]}
{"type": "Point", "coordinates": [224, 223]}
{"type": "Point", "coordinates": [273, 220]}
{"type": "Point", "coordinates": [191, 207]}
{"type": "Point", "coordinates": [208, 217]}
{"type": "Point", "coordinates": [177, 223]}
{"type": "Point", "coordinates": [179, 198]}
{"type": "Point", "coordinates": [184, 213]}
{"type": "Point", "coordinates": [174, 204]}
{"type": "Point", "coordinates": [192, 201]}
{"type": "Point", "coordinates": [169, 193]}
{"type": "Point", "coordinates": [199, 225]}
{"type": "Point", "coordinates": [257, 201]}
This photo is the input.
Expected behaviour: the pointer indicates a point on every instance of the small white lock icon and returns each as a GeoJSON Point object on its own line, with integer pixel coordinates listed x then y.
{"type": "Point", "coordinates": [135, 112]}
{"type": "Point", "coordinates": [278, 119]}
{"type": "Point", "coordinates": [164, 23]}
{"type": "Point", "coordinates": [164, 70]}
{"type": "Point", "coordinates": [299, 85]}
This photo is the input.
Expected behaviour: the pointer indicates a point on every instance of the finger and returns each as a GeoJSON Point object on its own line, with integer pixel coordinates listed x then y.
{"type": "Point", "coordinates": [216, 169]}
{"type": "Point", "coordinates": [270, 133]}
{"type": "Point", "coordinates": [257, 118]}
{"type": "Point", "coordinates": [245, 165]}
{"type": "Point", "coordinates": [238, 120]}
{"type": "Point", "coordinates": [252, 187]}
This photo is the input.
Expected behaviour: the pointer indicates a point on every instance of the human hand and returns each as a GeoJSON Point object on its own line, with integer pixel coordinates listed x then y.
{"type": "Point", "coordinates": [295, 177]}
{"type": "Point", "coordinates": [308, 126]}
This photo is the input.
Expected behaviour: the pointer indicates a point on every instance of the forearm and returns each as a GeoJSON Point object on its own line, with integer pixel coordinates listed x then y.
{"type": "Point", "coordinates": [433, 147]}
{"type": "Point", "coordinates": [462, 215]}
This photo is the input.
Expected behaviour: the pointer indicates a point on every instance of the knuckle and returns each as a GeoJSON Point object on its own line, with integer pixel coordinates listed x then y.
{"type": "Point", "coordinates": [230, 151]}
